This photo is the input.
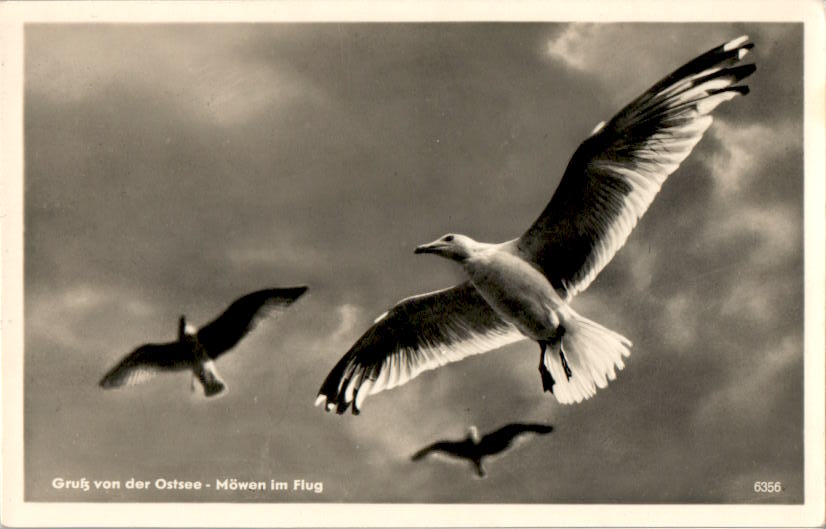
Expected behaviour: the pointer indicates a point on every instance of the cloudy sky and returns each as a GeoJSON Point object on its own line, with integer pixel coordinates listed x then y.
{"type": "Point", "coordinates": [172, 168]}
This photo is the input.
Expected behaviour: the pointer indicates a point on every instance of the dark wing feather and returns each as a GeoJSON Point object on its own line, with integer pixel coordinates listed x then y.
{"type": "Point", "coordinates": [223, 333]}
{"type": "Point", "coordinates": [454, 448]}
{"type": "Point", "coordinates": [145, 362]}
{"type": "Point", "coordinates": [419, 333]}
{"type": "Point", "coordinates": [499, 440]}
{"type": "Point", "coordinates": [615, 174]}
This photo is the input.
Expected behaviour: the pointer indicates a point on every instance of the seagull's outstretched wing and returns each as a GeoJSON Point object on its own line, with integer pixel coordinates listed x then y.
{"type": "Point", "coordinates": [501, 439]}
{"type": "Point", "coordinates": [615, 174]}
{"type": "Point", "coordinates": [419, 333]}
{"type": "Point", "coordinates": [452, 448]}
{"type": "Point", "coordinates": [145, 362]}
{"type": "Point", "coordinates": [223, 333]}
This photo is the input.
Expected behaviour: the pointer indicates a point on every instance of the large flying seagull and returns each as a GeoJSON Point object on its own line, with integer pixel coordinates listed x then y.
{"type": "Point", "coordinates": [522, 288]}
{"type": "Point", "coordinates": [196, 350]}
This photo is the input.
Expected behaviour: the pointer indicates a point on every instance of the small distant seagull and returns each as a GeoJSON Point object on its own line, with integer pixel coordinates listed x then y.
{"type": "Point", "coordinates": [476, 450]}
{"type": "Point", "coordinates": [522, 288]}
{"type": "Point", "coordinates": [195, 350]}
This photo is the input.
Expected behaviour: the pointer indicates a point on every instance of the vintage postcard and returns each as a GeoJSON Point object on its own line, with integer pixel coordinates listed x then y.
{"type": "Point", "coordinates": [412, 264]}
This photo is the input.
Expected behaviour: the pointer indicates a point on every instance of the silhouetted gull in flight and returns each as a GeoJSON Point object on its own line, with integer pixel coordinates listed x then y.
{"type": "Point", "coordinates": [476, 450]}
{"type": "Point", "coordinates": [522, 288]}
{"type": "Point", "coordinates": [196, 350]}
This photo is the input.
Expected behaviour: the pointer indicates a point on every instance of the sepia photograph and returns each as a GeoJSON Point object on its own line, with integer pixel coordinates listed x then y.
{"type": "Point", "coordinates": [358, 263]}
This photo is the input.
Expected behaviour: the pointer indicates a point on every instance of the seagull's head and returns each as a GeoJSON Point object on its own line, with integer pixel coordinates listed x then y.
{"type": "Point", "coordinates": [185, 329]}
{"type": "Point", "coordinates": [452, 246]}
{"type": "Point", "coordinates": [473, 434]}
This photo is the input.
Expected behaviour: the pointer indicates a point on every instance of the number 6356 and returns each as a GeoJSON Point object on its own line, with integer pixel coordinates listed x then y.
{"type": "Point", "coordinates": [768, 486]}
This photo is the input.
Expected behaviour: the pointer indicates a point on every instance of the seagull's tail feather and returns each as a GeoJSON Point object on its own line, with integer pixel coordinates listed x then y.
{"type": "Point", "coordinates": [213, 385]}
{"type": "Point", "coordinates": [593, 353]}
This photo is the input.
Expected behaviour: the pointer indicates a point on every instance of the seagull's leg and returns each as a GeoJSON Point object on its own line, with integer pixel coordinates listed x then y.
{"type": "Point", "coordinates": [547, 380]}
{"type": "Point", "coordinates": [568, 372]}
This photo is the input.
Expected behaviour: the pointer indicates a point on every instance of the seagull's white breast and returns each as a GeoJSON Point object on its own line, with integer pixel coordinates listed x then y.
{"type": "Point", "coordinates": [517, 291]}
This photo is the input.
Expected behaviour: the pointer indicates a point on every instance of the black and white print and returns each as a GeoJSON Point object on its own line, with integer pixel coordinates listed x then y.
{"type": "Point", "coordinates": [170, 169]}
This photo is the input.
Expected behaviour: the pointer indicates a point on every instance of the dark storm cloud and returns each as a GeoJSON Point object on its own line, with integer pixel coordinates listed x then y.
{"type": "Point", "coordinates": [171, 168]}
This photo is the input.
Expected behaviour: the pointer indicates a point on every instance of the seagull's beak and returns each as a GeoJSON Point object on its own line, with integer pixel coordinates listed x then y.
{"type": "Point", "coordinates": [432, 247]}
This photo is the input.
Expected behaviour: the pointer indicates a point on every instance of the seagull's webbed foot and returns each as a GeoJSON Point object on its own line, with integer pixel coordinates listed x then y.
{"type": "Point", "coordinates": [547, 379]}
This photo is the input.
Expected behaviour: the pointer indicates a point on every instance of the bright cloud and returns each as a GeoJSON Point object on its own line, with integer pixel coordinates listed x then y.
{"type": "Point", "coordinates": [568, 46]}
{"type": "Point", "coordinates": [746, 150]}
{"type": "Point", "coordinates": [775, 232]}
{"type": "Point", "coordinates": [349, 315]}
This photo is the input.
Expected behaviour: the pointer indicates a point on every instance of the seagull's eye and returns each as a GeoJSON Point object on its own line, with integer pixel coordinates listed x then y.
{"type": "Point", "coordinates": [449, 238]}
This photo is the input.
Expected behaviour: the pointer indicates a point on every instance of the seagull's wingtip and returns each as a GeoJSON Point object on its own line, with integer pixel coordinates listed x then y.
{"type": "Point", "coordinates": [330, 405]}
{"type": "Point", "coordinates": [735, 43]}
